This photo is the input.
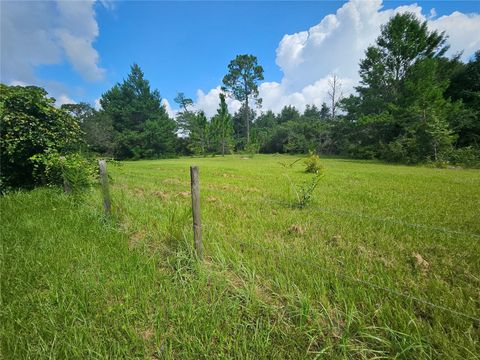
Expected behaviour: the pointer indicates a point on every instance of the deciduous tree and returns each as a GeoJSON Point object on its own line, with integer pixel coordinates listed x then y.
{"type": "Point", "coordinates": [31, 125]}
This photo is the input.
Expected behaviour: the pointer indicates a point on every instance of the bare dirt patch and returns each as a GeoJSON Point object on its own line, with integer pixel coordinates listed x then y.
{"type": "Point", "coordinates": [173, 181]}
{"type": "Point", "coordinates": [161, 194]}
{"type": "Point", "coordinates": [136, 238]}
{"type": "Point", "coordinates": [420, 263]}
{"type": "Point", "coordinates": [183, 194]}
{"type": "Point", "coordinates": [296, 229]}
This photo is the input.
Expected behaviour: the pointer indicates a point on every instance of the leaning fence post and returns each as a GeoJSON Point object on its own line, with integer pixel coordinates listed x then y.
{"type": "Point", "coordinates": [197, 221]}
{"type": "Point", "coordinates": [67, 188]}
{"type": "Point", "coordinates": [105, 190]}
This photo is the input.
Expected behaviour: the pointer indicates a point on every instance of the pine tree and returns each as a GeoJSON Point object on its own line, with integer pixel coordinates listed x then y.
{"type": "Point", "coordinates": [141, 124]}
{"type": "Point", "coordinates": [199, 133]}
{"type": "Point", "coordinates": [424, 112]}
{"type": "Point", "coordinates": [222, 127]}
{"type": "Point", "coordinates": [242, 82]}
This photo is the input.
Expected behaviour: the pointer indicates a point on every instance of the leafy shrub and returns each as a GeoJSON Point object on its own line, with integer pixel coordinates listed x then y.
{"type": "Point", "coordinates": [287, 165]}
{"type": "Point", "coordinates": [304, 194]}
{"type": "Point", "coordinates": [53, 169]}
{"type": "Point", "coordinates": [466, 157]}
{"type": "Point", "coordinates": [312, 163]}
{"type": "Point", "coordinates": [304, 191]}
{"type": "Point", "coordinates": [30, 125]}
{"type": "Point", "coordinates": [252, 149]}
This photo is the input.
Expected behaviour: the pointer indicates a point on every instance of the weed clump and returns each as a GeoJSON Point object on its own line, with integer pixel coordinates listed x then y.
{"type": "Point", "coordinates": [304, 193]}
{"type": "Point", "coordinates": [312, 163]}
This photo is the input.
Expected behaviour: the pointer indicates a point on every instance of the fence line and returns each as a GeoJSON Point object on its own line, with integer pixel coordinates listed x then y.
{"type": "Point", "coordinates": [340, 274]}
{"type": "Point", "coordinates": [370, 284]}
{"type": "Point", "coordinates": [342, 212]}
{"type": "Point", "coordinates": [363, 216]}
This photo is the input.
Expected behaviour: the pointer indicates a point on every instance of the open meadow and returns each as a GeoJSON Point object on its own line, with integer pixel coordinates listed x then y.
{"type": "Point", "coordinates": [384, 263]}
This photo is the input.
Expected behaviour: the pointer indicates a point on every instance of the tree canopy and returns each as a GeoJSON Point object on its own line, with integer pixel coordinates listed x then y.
{"type": "Point", "coordinates": [141, 125]}
{"type": "Point", "coordinates": [30, 125]}
{"type": "Point", "coordinates": [241, 81]}
{"type": "Point", "coordinates": [413, 105]}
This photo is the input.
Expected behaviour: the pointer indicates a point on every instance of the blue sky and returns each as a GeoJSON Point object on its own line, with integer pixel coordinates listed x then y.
{"type": "Point", "coordinates": [186, 46]}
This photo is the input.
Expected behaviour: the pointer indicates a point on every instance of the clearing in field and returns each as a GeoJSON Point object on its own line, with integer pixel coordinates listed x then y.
{"type": "Point", "coordinates": [384, 262]}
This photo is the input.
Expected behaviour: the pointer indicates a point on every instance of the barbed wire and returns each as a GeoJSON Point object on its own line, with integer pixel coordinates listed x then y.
{"type": "Point", "coordinates": [360, 281]}
{"type": "Point", "coordinates": [357, 214]}
{"type": "Point", "coordinates": [366, 283]}
{"type": "Point", "coordinates": [341, 212]}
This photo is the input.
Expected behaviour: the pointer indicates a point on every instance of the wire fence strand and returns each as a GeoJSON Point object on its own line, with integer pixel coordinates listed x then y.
{"type": "Point", "coordinates": [341, 212]}
{"type": "Point", "coordinates": [391, 291]}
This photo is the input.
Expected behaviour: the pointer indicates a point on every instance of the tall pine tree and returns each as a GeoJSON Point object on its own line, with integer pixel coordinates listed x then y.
{"type": "Point", "coordinates": [222, 127]}
{"type": "Point", "coordinates": [141, 124]}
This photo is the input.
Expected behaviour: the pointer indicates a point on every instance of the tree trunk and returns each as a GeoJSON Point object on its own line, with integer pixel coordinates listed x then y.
{"type": "Point", "coordinates": [247, 120]}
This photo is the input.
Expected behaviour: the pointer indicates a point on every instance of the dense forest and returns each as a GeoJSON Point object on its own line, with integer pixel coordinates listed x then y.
{"type": "Point", "coordinates": [413, 105]}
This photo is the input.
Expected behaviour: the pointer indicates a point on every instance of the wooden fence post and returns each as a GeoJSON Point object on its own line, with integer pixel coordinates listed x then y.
{"type": "Point", "coordinates": [67, 187]}
{"type": "Point", "coordinates": [197, 221]}
{"type": "Point", "coordinates": [105, 189]}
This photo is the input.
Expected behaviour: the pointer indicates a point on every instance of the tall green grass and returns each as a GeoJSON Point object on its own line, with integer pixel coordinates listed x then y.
{"type": "Point", "coordinates": [277, 281]}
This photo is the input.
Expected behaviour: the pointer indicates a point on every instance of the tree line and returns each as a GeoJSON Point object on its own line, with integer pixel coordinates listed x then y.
{"type": "Point", "coordinates": [413, 105]}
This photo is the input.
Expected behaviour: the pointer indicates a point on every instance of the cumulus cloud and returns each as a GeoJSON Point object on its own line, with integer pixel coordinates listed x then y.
{"type": "Point", "coordinates": [209, 102]}
{"type": "Point", "coordinates": [172, 113]}
{"type": "Point", "coordinates": [96, 104]}
{"type": "Point", "coordinates": [463, 32]}
{"type": "Point", "coordinates": [55, 89]}
{"type": "Point", "coordinates": [64, 99]}
{"type": "Point", "coordinates": [335, 46]}
{"type": "Point", "coordinates": [48, 33]}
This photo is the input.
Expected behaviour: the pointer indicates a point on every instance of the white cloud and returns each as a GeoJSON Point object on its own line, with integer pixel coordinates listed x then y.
{"type": "Point", "coordinates": [336, 45]}
{"type": "Point", "coordinates": [64, 99]}
{"type": "Point", "coordinates": [96, 104]}
{"type": "Point", "coordinates": [172, 113]}
{"type": "Point", "coordinates": [18, 83]}
{"type": "Point", "coordinates": [210, 101]}
{"type": "Point", "coordinates": [54, 89]}
{"type": "Point", "coordinates": [48, 33]}
{"type": "Point", "coordinates": [463, 32]}
{"type": "Point", "coordinates": [81, 55]}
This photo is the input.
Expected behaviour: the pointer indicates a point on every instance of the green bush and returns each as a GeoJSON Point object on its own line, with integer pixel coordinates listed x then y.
{"type": "Point", "coordinates": [312, 163]}
{"type": "Point", "coordinates": [53, 169]}
{"type": "Point", "coordinates": [466, 157]}
{"type": "Point", "coordinates": [305, 191]}
{"type": "Point", "coordinates": [30, 124]}
{"type": "Point", "coordinates": [252, 149]}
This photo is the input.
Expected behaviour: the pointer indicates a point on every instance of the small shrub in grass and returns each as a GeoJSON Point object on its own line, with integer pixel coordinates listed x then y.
{"type": "Point", "coordinates": [465, 157]}
{"type": "Point", "coordinates": [51, 168]}
{"type": "Point", "coordinates": [252, 149]}
{"type": "Point", "coordinates": [312, 163]}
{"type": "Point", "coordinates": [304, 192]}
{"type": "Point", "coordinates": [288, 165]}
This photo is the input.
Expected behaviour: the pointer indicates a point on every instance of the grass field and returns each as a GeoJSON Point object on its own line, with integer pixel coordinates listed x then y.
{"type": "Point", "coordinates": [277, 282]}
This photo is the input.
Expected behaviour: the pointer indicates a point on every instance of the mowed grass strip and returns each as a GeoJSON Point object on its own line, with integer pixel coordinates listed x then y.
{"type": "Point", "coordinates": [277, 282]}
